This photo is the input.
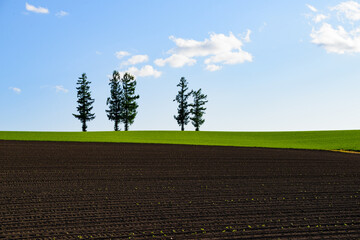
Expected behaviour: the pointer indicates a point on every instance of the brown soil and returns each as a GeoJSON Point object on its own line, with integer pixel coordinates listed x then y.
{"type": "Point", "coordinates": [139, 191]}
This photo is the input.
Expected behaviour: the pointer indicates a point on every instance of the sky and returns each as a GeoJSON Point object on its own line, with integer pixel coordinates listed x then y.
{"type": "Point", "coordinates": [264, 65]}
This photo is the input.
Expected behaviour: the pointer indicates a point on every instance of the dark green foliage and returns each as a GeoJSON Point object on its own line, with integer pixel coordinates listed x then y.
{"type": "Point", "coordinates": [115, 100]}
{"type": "Point", "coordinates": [183, 113]}
{"type": "Point", "coordinates": [84, 102]}
{"type": "Point", "coordinates": [128, 104]}
{"type": "Point", "coordinates": [197, 109]}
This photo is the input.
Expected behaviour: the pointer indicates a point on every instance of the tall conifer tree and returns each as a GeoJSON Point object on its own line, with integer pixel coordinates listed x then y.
{"type": "Point", "coordinates": [84, 101]}
{"type": "Point", "coordinates": [115, 100]}
{"type": "Point", "coordinates": [183, 112]}
{"type": "Point", "coordinates": [129, 104]}
{"type": "Point", "coordinates": [197, 109]}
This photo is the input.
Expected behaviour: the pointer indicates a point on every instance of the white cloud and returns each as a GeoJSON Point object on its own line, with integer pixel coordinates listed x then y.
{"type": "Point", "coordinates": [175, 61]}
{"type": "Point", "coordinates": [61, 14]}
{"type": "Point", "coordinates": [247, 36]}
{"type": "Point", "coordinates": [336, 40]}
{"type": "Point", "coordinates": [218, 43]}
{"type": "Point", "coordinates": [312, 8]}
{"type": "Point", "coordinates": [230, 57]}
{"type": "Point", "coordinates": [15, 89]}
{"type": "Point", "coordinates": [60, 88]}
{"type": "Point", "coordinates": [219, 48]}
{"type": "Point", "coordinates": [98, 52]}
{"type": "Point", "coordinates": [145, 71]}
{"type": "Point", "coordinates": [350, 9]}
{"type": "Point", "coordinates": [319, 18]}
{"type": "Point", "coordinates": [342, 34]}
{"type": "Point", "coordinates": [121, 54]}
{"type": "Point", "coordinates": [32, 8]}
{"type": "Point", "coordinates": [136, 59]}
{"type": "Point", "coordinates": [213, 67]}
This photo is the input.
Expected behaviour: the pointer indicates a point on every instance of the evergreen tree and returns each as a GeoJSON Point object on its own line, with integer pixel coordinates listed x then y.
{"type": "Point", "coordinates": [128, 104]}
{"type": "Point", "coordinates": [85, 102]}
{"type": "Point", "coordinates": [115, 100]}
{"type": "Point", "coordinates": [197, 109]}
{"type": "Point", "coordinates": [183, 113]}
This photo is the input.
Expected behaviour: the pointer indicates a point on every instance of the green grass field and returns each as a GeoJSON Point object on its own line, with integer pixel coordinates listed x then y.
{"type": "Point", "coordinates": [324, 140]}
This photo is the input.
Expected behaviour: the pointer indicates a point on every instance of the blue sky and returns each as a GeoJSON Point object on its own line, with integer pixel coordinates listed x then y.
{"type": "Point", "coordinates": [265, 65]}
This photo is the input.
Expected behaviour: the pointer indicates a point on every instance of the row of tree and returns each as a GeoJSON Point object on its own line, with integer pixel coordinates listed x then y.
{"type": "Point", "coordinates": [122, 102]}
{"type": "Point", "coordinates": [197, 109]}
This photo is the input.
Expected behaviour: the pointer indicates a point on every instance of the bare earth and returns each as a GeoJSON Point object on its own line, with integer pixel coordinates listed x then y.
{"type": "Point", "coordinates": [139, 191]}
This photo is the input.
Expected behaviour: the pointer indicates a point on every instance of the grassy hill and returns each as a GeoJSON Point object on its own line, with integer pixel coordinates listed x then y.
{"type": "Point", "coordinates": [325, 140]}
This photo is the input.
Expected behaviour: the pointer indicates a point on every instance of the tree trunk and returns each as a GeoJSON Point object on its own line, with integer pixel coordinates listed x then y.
{"type": "Point", "coordinates": [84, 126]}
{"type": "Point", "coordinates": [126, 126]}
{"type": "Point", "coordinates": [197, 129]}
{"type": "Point", "coordinates": [116, 127]}
{"type": "Point", "coordinates": [182, 127]}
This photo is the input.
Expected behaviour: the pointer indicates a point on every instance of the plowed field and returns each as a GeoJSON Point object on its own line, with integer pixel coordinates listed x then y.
{"type": "Point", "coordinates": [139, 191]}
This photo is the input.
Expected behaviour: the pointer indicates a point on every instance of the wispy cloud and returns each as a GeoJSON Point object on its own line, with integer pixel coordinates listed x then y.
{"type": "Point", "coordinates": [121, 54]}
{"type": "Point", "coordinates": [175, 61]}
{"type": "Point", "coordinates": [219, 48]}
{"type": "Point", "coordinates": [61, 14]}
{"type": "Point", "coordinates": [350, 9]}
{"type": "Point", "coordinates": [247, 36]}
{"type": "Point", "coordinates": [262, 27]}
{"type": "Point", "coordinates": [145, 71]}
{"type": "Point", "coordinates": [60, 88]}
{"type": "Point", "coordinates": [98, 52]}
{"type": "Point", "coordinates": [34, 9]}
{"type": "Point", "coordinates": [319, 18]}
{"type": "Point", "coordinates": [136, 59]}
{"type": "Point", "coordinates": [213, 67]}
{"type": "Point", "coordinates": [15, 89]}
{"type": "Point", "coordinates": [312, 8]}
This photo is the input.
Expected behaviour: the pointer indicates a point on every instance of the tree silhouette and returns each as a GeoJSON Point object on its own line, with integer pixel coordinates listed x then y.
{"type": "Point", "coordinates": [115, 100]}
{"type": "Point", "coordinates": [183, 113]}
{"type": "Point", "coordinates": [84, 102]}
{"type": "Point", "coordinates": [128, 104]}
{"type": "Point", "coordinates": [197, 109]}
